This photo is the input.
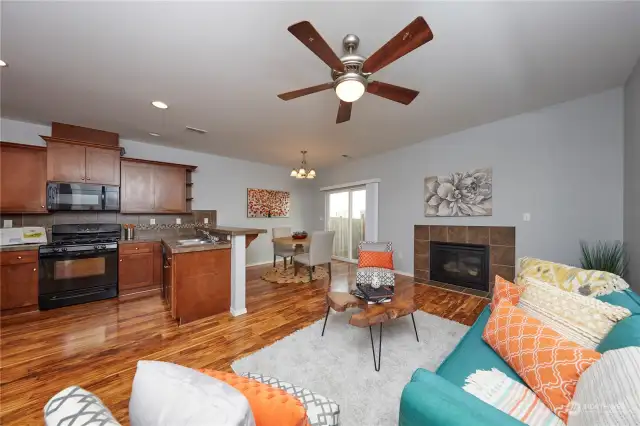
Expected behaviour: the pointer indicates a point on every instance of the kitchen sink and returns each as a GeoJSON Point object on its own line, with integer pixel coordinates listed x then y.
{"type": "Point", "coordinates": [194, 242]}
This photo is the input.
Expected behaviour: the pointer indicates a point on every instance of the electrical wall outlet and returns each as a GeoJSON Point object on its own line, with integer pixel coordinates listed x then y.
{"type": "Point", "coordinates": [152, 221]}
{"type": "Point", "coordinates": [8, 223]}
{"type": "Point", "coordinates": [206, 220]}
{"type": "Point", "coordinates": [526, 217]}
{"type": "Point", "coordinates": [178, 221]}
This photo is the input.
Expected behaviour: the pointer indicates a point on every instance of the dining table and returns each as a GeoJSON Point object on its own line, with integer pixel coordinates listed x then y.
{"type": "Point", "coordinates": [299, 243]}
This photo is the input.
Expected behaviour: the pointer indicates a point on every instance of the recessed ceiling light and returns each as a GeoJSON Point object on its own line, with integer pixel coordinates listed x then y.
{"type": "Point", "coordinates": [2, 63]}
{"type": "Point", "coordinates": [159, 104]}
{"type": "Point", "coordinates": [154, 134]}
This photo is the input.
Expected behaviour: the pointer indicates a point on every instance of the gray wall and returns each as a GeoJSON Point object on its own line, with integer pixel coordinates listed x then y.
{"type": "Point", "coordinates": [562, 164]}
{"type": "Point", "coordinates": [220, 183]}
{"type": "Point", "coordinates": [632, 174]}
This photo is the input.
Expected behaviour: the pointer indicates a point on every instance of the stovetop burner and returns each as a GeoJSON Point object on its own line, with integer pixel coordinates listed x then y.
{"type": "Point", "coordinates": [86, 233]}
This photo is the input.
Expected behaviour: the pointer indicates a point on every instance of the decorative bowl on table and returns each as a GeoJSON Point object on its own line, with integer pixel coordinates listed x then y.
{"type": "Point", "coordinates": [300, 235]}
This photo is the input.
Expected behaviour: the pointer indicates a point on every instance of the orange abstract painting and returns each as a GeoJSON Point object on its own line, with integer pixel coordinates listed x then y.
{"type": "Point", "coordinates": [268, 203]}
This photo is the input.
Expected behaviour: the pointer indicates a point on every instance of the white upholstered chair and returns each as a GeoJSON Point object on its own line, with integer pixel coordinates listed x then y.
{"type": "Point", "coordinates": [282, 250]}
{"type": "Point", "coordinates": [320, 251]}
{"type": "Point", "coordinates": [375, 276]}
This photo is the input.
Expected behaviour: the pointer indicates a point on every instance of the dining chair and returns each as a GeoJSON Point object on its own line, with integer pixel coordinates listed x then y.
{"type": "Point", "coordinates": [320, 250]}
{"type": "Point", "coordinates": [282, 250]}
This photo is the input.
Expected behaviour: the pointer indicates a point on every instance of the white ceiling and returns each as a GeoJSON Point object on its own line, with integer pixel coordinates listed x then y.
{"type": "Point", "coordinates": [220, 66]}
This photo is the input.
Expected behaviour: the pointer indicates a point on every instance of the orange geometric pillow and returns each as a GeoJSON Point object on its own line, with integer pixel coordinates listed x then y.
{"type": "Point", "coordinates": [270, 406]}
{"type": "Point", "coordinates": [548, 364]}
{"type": "Point", "coordinates": [376, 259]}
{"type": "Point", "coordinates": [504, 289]}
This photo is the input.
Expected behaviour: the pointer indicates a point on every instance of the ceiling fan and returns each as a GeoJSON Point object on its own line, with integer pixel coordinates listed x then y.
{"type": "Point", "coordinates": [351, 72]}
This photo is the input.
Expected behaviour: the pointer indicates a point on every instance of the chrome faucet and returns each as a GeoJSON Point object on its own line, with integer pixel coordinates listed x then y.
{"type": "Point", "coordinates": [209, 236]}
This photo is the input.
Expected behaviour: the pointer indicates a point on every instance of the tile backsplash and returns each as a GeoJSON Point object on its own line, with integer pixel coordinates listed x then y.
{"type": "Point", "coordinates": [142, 221]}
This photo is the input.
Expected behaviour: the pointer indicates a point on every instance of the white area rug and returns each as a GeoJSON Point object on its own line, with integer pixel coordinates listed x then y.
{"type": "Point", "coordinates": [340, 364]}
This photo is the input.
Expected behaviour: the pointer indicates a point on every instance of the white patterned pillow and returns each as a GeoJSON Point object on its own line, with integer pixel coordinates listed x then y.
{"type": "Point", "coordinates": [78, 407]}
{"type": "Point", "coordinates": [608, 393]}
{"type": "Point", "coordinates": [321, 411]}
{"type": "Point", "coordinates": [375, 277]}
{"type": "Point", "coordinates": [511, 397]}
{"type": "Point", "coordinates": [581, 319]}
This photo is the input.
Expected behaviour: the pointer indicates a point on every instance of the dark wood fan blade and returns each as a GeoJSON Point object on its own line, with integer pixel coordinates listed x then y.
{"type": "Point", "coordinates": [344, 112]}
{"type": "Point", "coordinates": [306, 91]}
{"type": "Point", "coordinates": [389, 91]}
{"type": "Point", "coordinates": [308, 35]}
{"type": "Point", "coordinates": [411, 37]}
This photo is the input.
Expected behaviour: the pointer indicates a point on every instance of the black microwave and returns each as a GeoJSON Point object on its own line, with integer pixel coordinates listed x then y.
{"type": "Point", "coordinates": [82, 197]}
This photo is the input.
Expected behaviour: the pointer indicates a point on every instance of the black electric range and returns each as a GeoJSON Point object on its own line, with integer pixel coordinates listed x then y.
{"type": "Point", "coordinates": [79, 265]}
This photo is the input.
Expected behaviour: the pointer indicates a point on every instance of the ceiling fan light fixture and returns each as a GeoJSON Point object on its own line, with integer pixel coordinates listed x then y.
{"type": "Point", "coordinates": [350, 87]}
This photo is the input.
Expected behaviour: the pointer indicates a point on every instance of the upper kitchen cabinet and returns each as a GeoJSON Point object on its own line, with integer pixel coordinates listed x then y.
{"type": "Point", "coordinates": [155, 187]}
{"type": "Point", "coordinates": [82, 162]}
{"type": "Point", "coordinates": [170, 189]}
{"type": "Point", "coordinates": [136, 187]}
{"type": "Point", "coordinates": [23, 178]}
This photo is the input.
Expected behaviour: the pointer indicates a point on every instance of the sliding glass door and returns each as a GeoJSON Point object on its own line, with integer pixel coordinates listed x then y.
{"type": "Point", "coordinates": [346, 212]}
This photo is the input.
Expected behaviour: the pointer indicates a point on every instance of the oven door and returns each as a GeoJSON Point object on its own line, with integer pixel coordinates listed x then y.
{"type": "Point", "coordinates": [78, 272]}
{"type": "Point", "coordinates": [74, 196]}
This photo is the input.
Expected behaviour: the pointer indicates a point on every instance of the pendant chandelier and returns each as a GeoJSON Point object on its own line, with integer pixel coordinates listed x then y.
{"type": "Point", "coordinates": [303, 172]}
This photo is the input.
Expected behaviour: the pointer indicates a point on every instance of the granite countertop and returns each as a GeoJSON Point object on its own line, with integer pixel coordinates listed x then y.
{"type": "Point", "coordinates": [232, 230]}
{"type": "Point", "coordinates": [21, 247]}
{"type": "Point", "coordinates": [143, 239]}
{"type": "Point", "coordinates": [172, 244]}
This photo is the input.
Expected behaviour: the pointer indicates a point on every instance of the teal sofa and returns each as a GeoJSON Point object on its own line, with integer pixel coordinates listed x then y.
{"type": "Point", "coordinates": [437, 399]}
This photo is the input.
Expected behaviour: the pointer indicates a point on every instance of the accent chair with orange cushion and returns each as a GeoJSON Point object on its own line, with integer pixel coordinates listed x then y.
{"type": "Point", "coordinates": [504, 289]}
{"type": "Point", "coordinates": [547, 362]}
{"type": "Point", "coordinates": [375, 264]}
{"type": "Point", "coordinates": [270, 406]}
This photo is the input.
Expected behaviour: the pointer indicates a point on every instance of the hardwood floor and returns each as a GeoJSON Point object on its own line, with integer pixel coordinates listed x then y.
{"type": "Point", "coordinates": [96, 345]}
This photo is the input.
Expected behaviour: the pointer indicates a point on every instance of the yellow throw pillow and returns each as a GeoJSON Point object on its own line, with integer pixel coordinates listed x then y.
{"type": "Point", "coordinates": [569, 278]}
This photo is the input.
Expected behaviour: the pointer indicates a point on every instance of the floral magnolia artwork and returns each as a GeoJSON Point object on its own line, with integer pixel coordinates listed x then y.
{"type": "Point", "coordinates": [459, 194]}
{"type": "Point", "coordinates": [268, 203]}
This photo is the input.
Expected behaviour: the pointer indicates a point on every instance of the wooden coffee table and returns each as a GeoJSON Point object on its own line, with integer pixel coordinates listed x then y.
{"type": "Point", "coordinates": [401, 304]}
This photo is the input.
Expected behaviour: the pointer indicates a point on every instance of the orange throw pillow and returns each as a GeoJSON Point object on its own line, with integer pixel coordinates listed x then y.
{"type": "Point", "coordinates": [270, 406]}
{"type": "Point", "coordinates": [376, 259]}
{"type": "Point", "coordinates": [549, 364]}
{"type": "Point", "coordinates": [503, 289]}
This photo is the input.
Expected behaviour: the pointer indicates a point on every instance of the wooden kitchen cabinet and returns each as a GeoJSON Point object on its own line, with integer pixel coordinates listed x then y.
{"type": "Point", "coordinates": [18, 281]}
{"type": "Point", "coordinates": [75, 161]}
{"type": "Point", "coordinates": [136, 188]}
{"type": "Point", "coordinates": [23, 179]}
{"type": "Point", "coordinates": [168, 284]}
{"type": "Point", "coordinates": [169, 189]}
{"type": "Point", "coordinates": [102, 166]}
{"type": "Point", "coordinates": [135, 271]}
{"type": "Point", "coordinates": [153, 187]}
{"type": "Point", "coordinates": [157, 264]}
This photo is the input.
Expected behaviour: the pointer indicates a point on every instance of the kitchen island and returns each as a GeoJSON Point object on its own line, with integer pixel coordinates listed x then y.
{"type": "Point", "coordinates": [201, 280]}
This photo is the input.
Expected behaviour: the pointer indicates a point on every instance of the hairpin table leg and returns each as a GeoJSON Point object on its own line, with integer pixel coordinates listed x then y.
{"type": "Point", "coordinates": [414, 327]}
{"type": "Point", "coordinates": [376, 365]}
{"type": "Point", "coordinates": [325, 319]}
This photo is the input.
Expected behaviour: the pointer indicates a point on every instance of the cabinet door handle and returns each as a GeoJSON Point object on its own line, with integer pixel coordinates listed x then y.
{"type": "Point", "coordinates": [120, 260]}
{"type": "Point", "coordinates": [19, 257]}
{"type": "Point", "coordinates": [166, 266]}
{"type": "Point", "coordinates": [136, 248]}
{"type": "Point", "coordinates": [42, 207]}
{"type": "Point", "coordinates": [87, 178]}
{"type": "Point", "coordinates": [34, 269]}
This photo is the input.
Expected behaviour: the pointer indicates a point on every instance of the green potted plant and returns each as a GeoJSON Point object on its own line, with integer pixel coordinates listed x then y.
{"type": "Point", "coordinates": [609, 256]}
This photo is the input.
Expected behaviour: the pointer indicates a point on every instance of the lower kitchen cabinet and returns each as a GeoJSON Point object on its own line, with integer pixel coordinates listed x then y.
{"type": "Point", "coordinates": [18, 281]}
{"type": "Point", "coordinates": [137, 268]}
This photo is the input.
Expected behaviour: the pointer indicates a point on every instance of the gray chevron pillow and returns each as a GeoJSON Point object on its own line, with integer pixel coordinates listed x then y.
{"type": "Point", "coordinates": [321, 411]}
{"type": "Point", "coordinates": [78, 407]}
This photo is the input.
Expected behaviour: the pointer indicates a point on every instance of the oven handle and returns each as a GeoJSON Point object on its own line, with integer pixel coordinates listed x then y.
{"type": "Point", "coordinates": [76, 254]}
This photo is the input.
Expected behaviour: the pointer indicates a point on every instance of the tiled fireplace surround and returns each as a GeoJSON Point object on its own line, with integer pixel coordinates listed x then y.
{"type": "Point", "coordinates": [500, 239]}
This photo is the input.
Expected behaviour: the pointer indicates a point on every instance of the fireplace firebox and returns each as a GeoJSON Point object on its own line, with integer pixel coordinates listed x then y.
{"type": "Point", "coordinates": [465, 265]}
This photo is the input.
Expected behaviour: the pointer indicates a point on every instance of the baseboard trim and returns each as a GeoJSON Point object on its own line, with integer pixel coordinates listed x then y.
{"type": "Point", "coordinates": [406, 274]}
{"type": "Point", "coordinates": [259, 263]}
{"type": "Point", "coordinates": [239, 312]}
